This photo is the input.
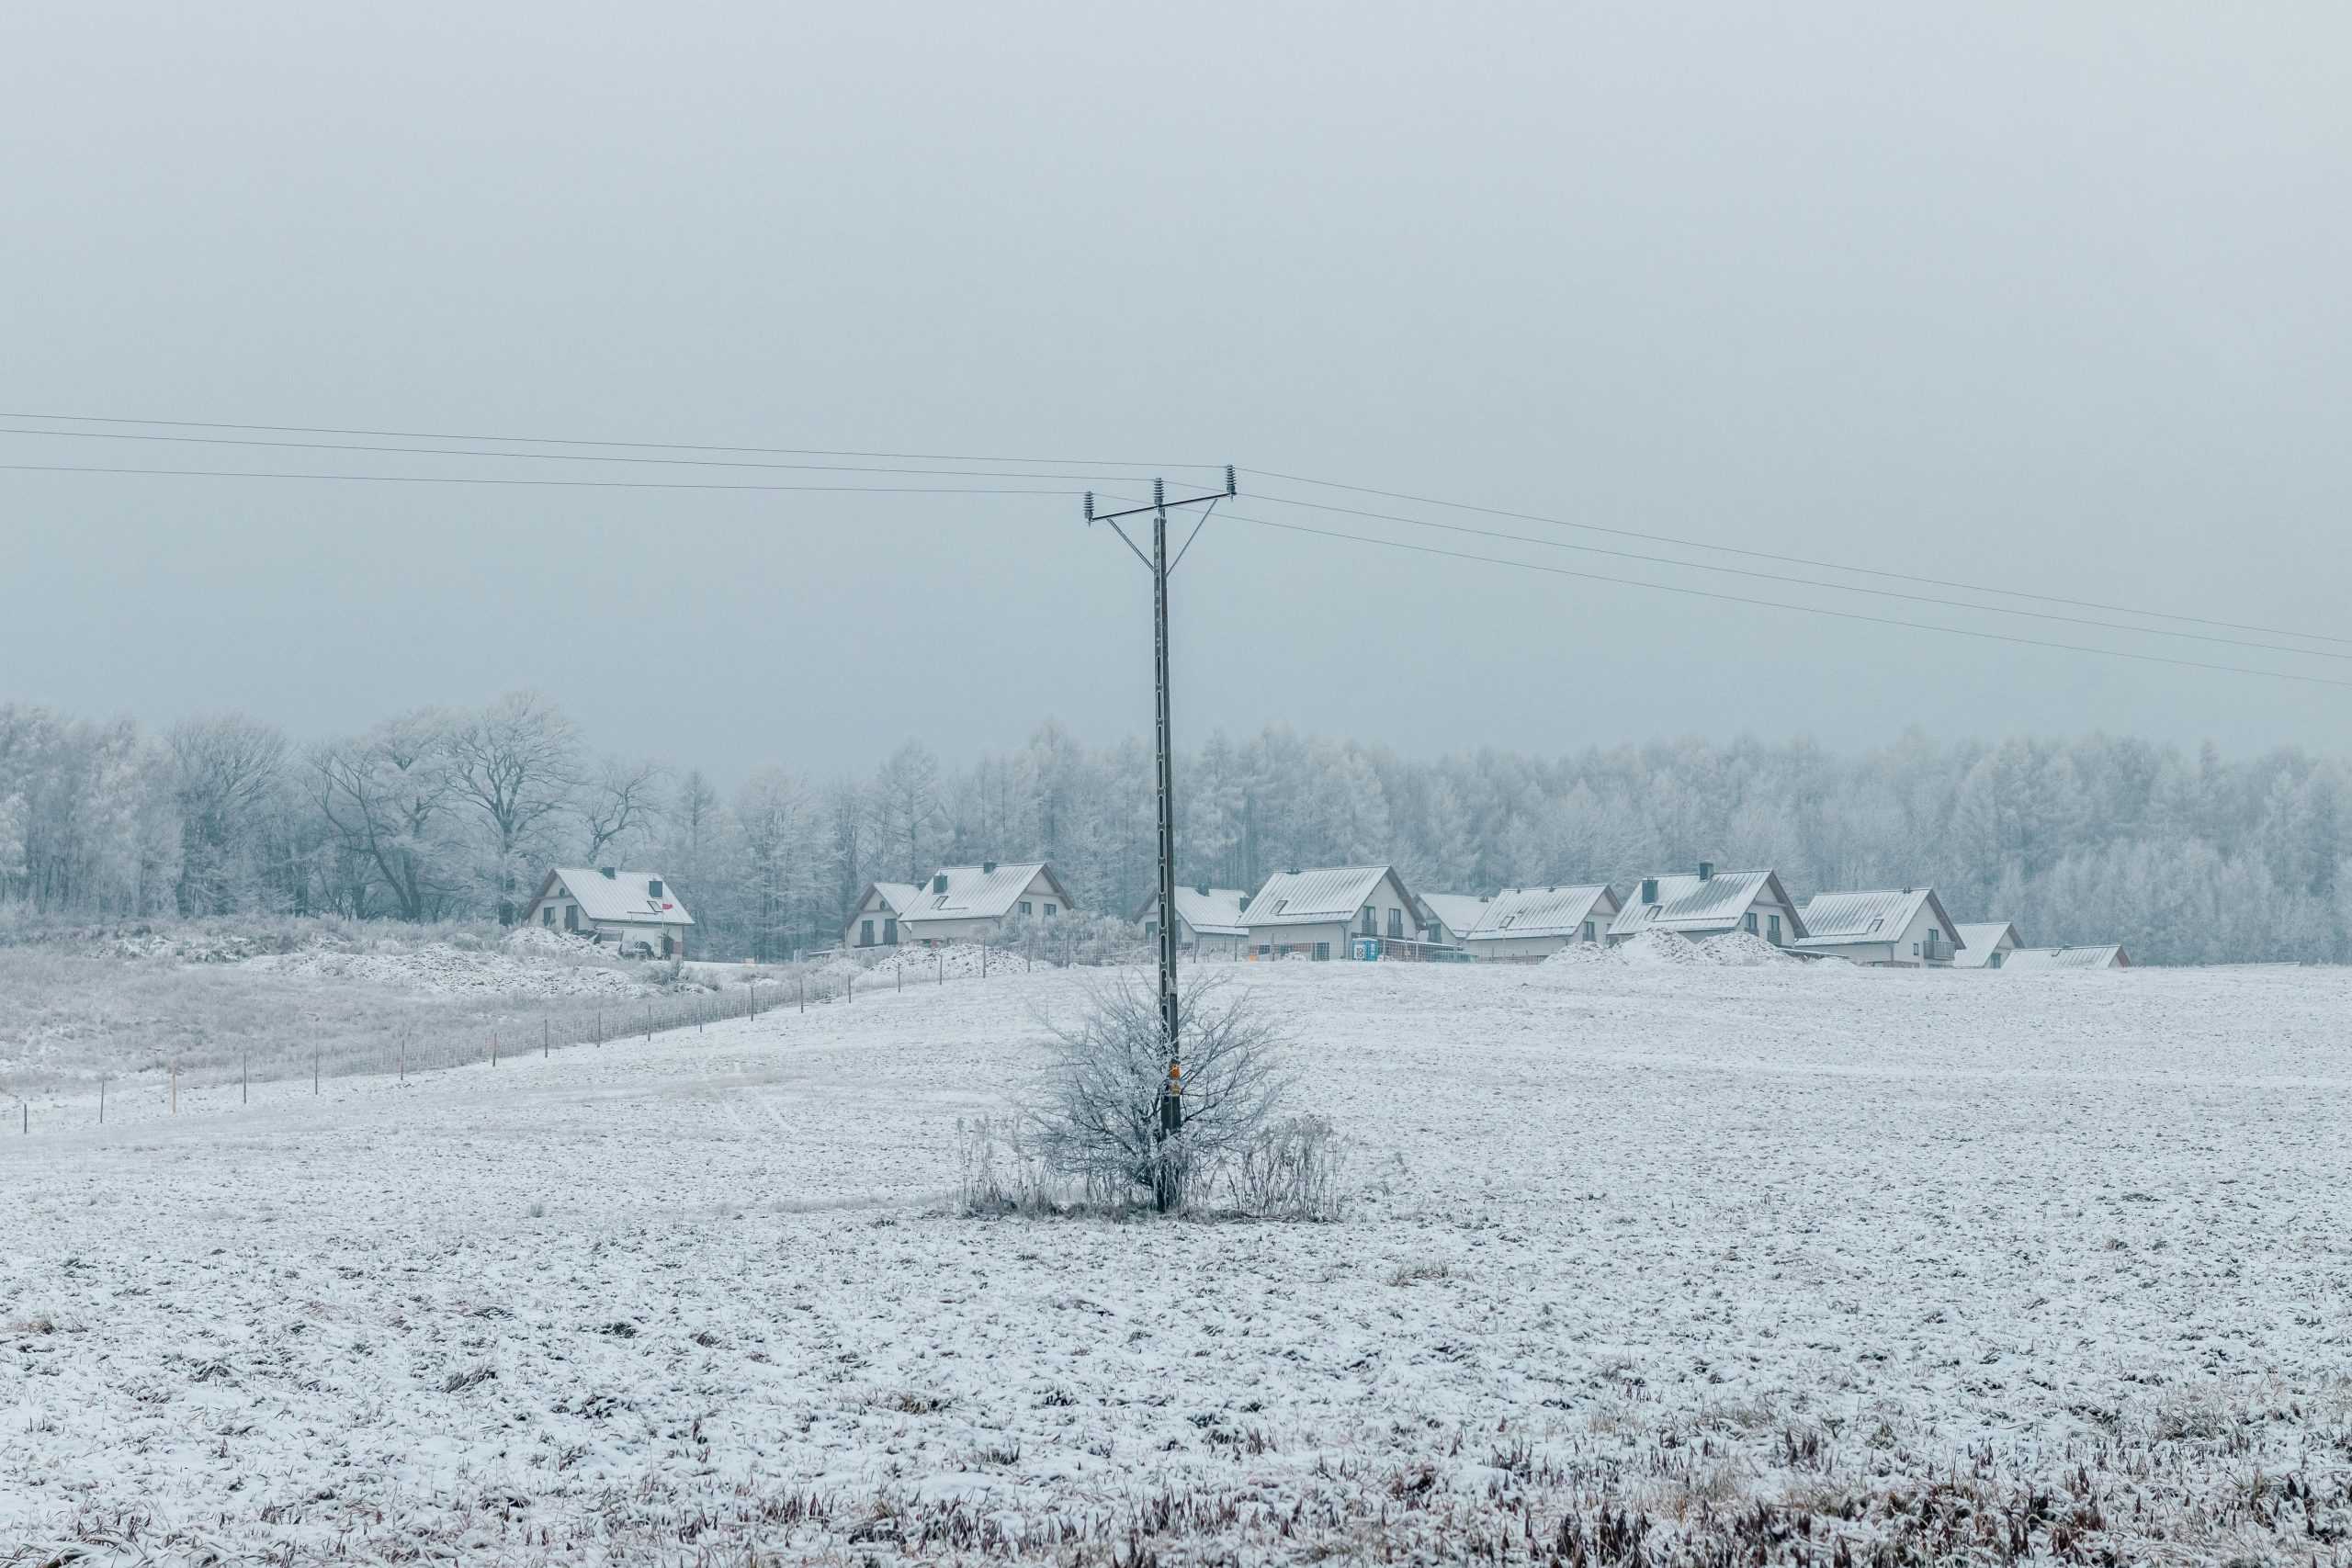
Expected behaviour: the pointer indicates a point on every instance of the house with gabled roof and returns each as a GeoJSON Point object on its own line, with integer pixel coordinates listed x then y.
{"type": "Point", "coordinates": [1209, 919]}
{"type": "Point", "coordinates": [636, 912]}
{"type": "Point", "coordinates": [1535, 922]}
{"type": "Point", "coordinates": [2096, 955]}
{"type": "Point", "coordinates": [1888, 927]}
{"type": "Point", "coordinates": [1711, 903]}
{"type": "Point", "coordinates": [1987, 944]}
{"type": "Point", "coordinates": [973, 903]}
{"type": "Point", "coordinates": [1447, 917]}
{"type": "Point", "coordinates": [875, 922]}
{"type": "Point", "coordinates": [1362, 911]}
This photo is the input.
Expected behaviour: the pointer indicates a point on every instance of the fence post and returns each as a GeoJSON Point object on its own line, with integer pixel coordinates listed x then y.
{"type": "Point", "coordinates": [25, 1111]}
{"type": "Point", "coordinates": [648, 1020]}
{"type": "Point", "coordinates": [942, 960]}
{"type": "Point", "coordinates": [901, 973]}
{"type": "Point", "coordinates": [804, 993]}
{"type": "Point", "coordinates": [314, 1071]}
{"type": "Point", "coordinates": [547, 1039]}
{"type": "Point", "coordinates": [599, 1035]}
{"type": "Point", "coordinates": [102, 1099]}
{"type": "Point", "coordinates": [984, 963]}
{"type": "Point", "coordinates": [494, 1047]}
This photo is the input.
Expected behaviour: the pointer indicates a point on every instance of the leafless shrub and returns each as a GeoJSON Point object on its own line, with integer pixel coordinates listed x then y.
{"type": "Point", "coordinates": [1099, 1123]}
{"type": "Point", "coordinates": [998, 1172]}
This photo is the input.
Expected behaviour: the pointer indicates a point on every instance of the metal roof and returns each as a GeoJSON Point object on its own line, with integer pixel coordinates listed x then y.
{"type": "Point", "coordinates": [1460, 912]}
{"type": "Point", "coordinates": [1686, 904]}
{"type": "Point", "coordinates": [1319, 898]}
{"type": "Point", "coordinates": [626, 897]}
{"type": "Point", "coordinates": [1210, 911]}
{"type": "Point", "coordinates": [975, 893]}
{"type": "Point", "coordinates": [1844, 920]}
{"type": "Point", "coordinates": [897, 896]}
{"type": "Point", "coordinates": [2109, 955]}
{"type": "Point", "coordinates": [1983, 939]}
{"type": "Point", "coordinates": [1543, 912]}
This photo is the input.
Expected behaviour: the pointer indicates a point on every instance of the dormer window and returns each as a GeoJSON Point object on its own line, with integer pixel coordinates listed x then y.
{"type": "Point", "coordinates": [654, 888]}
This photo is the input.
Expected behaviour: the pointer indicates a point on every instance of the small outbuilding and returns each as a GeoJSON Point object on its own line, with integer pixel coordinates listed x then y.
{"type": "Point", "coordinates": [635, 911]}
{"type": "Point", "coordinates": [1711, 903]}
{"type": "Point", "coordinates": [1363, 911]}
{"type": "Point", "coordinates": [1904, 929]}
{"type": "Point", "coordinates": [1208, 921]}
{"type": "Point", "coordinates": [1535, 922]}
{"type": "Point", "coordinates": [2106, 955]}
{"type": "Point", "coordinates": [879, 910]}
{"type": "Point", "coordinates": [1987, 944]}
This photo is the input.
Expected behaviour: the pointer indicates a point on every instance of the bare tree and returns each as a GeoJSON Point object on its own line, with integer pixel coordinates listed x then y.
{"type": "Point", "coordinates": [387, 794]}
{"type": "Point", "coordinates": [907, 807]}
{"type": "Point", "coordinates": [516, 763]}
{"type": "Point", "coordinates": [620, 798]}
{"type": "Point", "coordinates": [1098, 1121]}
{"type": "Point", "coordinates": [223, 770]}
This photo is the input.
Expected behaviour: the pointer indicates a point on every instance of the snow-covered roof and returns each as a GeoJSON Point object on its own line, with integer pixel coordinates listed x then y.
{"type": "Point", "coordinates": [622, 896]}
{"type": "Point", "coordinates": [1542, 912]}
{"type": "Point", "coordinates": [1460, 912]}
{"type": "Point", "coordinates": [899, 896]}
{"type": "Point", "coordinates": [1979, 940]}
{"type": "Point", "coordinates": [1688, 904]}
{"type": "Point", "coordinates": [2109, 955]}
{"type": "Point", "coordinates": [1843, 920]}
{"type": "Point", "coordinates": [1319, 897]}
{"type": "Point", "coordinates": [975, 893]}
{"type": "Point", "coordinates": [1210, 911]}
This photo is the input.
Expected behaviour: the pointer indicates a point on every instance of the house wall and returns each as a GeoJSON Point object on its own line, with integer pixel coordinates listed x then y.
{"type": "Point", "coordinates": [1300, 939]}
{"type": "Point", "coordinates": [1875, 954]}
{"type": "Point", "coordinates": [1531, 946]}
{"type": "Point", "coordinates": [618, 933]}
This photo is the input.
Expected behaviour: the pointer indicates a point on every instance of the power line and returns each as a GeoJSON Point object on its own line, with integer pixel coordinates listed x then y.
{"type": "Point", "coordinates": [536, 456]}
{"type": "Point", "coordinates": [1812, 583]}
{"type": "Point", "coordinates": [1783, 560]}
{"type": "Point", "coordinates": [1783, 605]}
{"type": "Point", "coordinates": [577, 441]}
{"type": "Point", "coordinates": [486, 479]}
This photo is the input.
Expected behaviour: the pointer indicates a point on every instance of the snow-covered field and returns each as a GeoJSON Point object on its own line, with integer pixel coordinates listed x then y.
{"type": "Point", "coordinates": [1723, 1263]}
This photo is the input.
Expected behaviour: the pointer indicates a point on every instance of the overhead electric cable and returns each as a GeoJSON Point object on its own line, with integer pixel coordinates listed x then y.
{"type": "Point", "coordinates": [580, 441]}
{"type": "Point", "coordinates": [1783, 605]}
{"type": "Point", "coordinates": [489, 480]}
{"type": "Point", "coordinates": [1771, 556]}
{"type": "Point", "coordinates": [1814, 583]}
{"type": "Point", "coordinates": [536, 456]}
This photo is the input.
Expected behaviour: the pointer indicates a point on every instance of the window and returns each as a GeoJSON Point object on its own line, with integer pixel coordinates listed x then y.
{"type": "Point", "coordinates": [1994, 962]}
{"type": "Point", "coordinates": [940, 902]}
{"type": "Point", "coordinates": [1776, 930]}
{"type": "Point", "coordinates": [654, 888]}
{"type": "Point", "coordinates": [889, 933]}
{"type": "Point", "coordinates": [1280, 905]}
{"type": "Point", "coordinates": [1024, 908]}
{"type": "Point", "coordinates": [1322, 953]}
{"type": "Point", "coordinates": [1151, 931]}
{"type": "Point", "coordinates": [1749, 920]}
{"type": "Point", "coordinates": [547, 914]}
{"type": "Point", "coordinates": [1588, 931]}
{"type": "Point", "coordinates": [865, 933]}
{"type": "Point", "coordinates": [1505, 923]}
{"type": "Point", "coordinates": [571, 917]}
{"type": "Point", "coordinates": [1051, 912]}
{"type": "Point", "coordinates": [1370, 921]}
{"type": "Point", "coordinates": [1396, 923]}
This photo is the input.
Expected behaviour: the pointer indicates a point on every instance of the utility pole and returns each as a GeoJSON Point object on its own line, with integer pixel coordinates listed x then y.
{"type": "Point", "coordinates": [1172, 1104]}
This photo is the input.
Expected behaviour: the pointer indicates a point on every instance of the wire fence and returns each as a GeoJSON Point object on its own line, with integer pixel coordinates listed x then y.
{"type": "Point", "coordinates": [568, 1025]}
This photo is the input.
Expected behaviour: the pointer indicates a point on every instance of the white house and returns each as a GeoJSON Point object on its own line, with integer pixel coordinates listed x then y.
{"type": "Point", "coordinates": [1208, 921]}
{"type": "Point", "coordinates": [1906, 929]}
{"type": "Point", "coordinates": [1710, 904]}
{"type": "Point", "coordinates": [1987, 945]}
{"type": "Point", "coordinates": [1339, 912]}
{"type": "Point", "coordinates": [972, 903]}
{"type": "Point", "coordinates": [876, 921]}
{"type": "Point", "coordinates": [1447, 917]}
{"type": "Point", "coordinates": [634, 910]}
{"type": "Point", "coordinates": [2109, 956]}
{"type": "Point", "coordinates": [1534, 922]}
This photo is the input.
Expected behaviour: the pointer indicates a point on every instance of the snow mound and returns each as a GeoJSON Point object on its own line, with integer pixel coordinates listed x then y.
{"type": "Point", "coordinates": [1658, 950]}
{"type": "Point", "coordinates": [1741, 950]}
{"type": "Point", "coordinates": [1578, 953]}
{"type": "Point", "coordinates": [443, 970]}
{"type": "Point", "coordinates": [541, 939]}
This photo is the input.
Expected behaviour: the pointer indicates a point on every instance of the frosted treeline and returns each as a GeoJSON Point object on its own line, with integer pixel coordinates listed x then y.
{"type": "Point", "coordinates": [2187, 857]}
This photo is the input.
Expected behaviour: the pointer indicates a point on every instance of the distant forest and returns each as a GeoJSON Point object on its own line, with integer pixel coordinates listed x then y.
{"type": "Point", "coordinates": [440, 814]}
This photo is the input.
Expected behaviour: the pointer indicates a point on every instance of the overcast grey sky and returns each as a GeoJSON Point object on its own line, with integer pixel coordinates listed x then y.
{"type": "Point", "coordinates": [2043, 297]}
